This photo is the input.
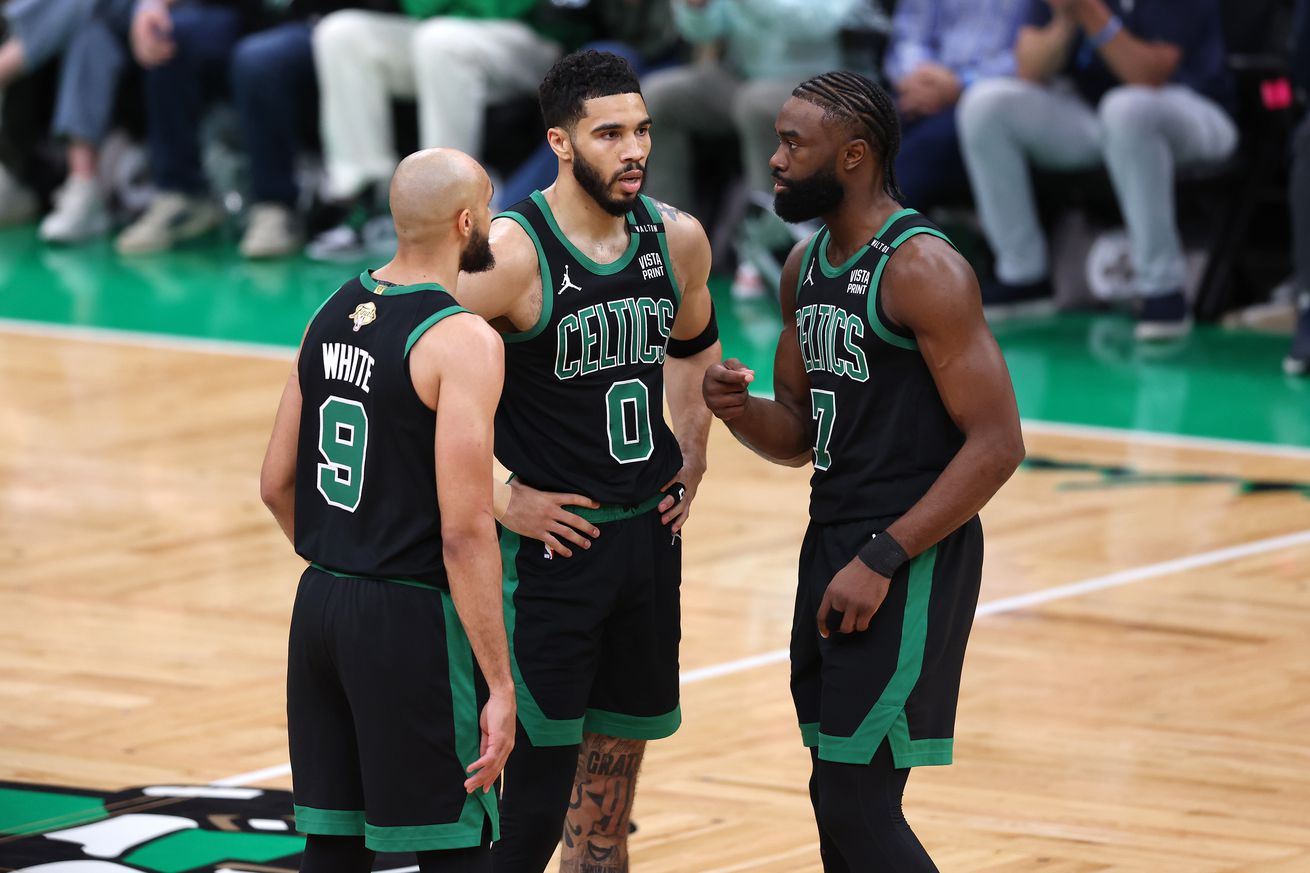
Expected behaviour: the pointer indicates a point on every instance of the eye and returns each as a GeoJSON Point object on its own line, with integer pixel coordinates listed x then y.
{"type": "Point", "coordinates": [643, 131]}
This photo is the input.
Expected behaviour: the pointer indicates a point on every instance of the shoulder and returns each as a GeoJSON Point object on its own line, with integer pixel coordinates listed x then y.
{"type": "Point", "coordinates": [511, 243]}
{"type": "Point", "coordinates": [928, 278]}
{"type": "Point", "coordinates": [462, 343]}
{"type": "Point", "coordinates": [685, 234]}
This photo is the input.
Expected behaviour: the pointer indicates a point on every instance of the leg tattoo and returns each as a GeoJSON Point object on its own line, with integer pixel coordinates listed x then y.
{"type": "Point", "coordinates": [596, 825]}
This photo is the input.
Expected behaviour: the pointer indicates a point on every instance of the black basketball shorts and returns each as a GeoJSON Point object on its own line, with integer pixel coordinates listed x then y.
{"type": "Point", "coordinates": [383, 698]}
{"type": "Point", "coordinates": [594, 638]}
{"type": "Point", "coordinates": [900, 679]}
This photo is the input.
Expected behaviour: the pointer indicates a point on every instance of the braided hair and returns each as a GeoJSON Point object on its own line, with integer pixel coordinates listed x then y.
{"type": "Point", "coordinates": [866, 108]}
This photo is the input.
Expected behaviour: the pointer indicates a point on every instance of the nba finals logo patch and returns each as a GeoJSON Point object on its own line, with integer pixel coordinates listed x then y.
{"type": "Point", "coordinates": [364, 314]}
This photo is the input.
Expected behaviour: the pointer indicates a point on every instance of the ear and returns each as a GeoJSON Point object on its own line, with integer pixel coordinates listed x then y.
{"type": "Point", "coordinates": [560, 143]}
{"type": "Point", "coordinates": [855, 154]}
{"type": "Point", "coordinates": [465, 223]}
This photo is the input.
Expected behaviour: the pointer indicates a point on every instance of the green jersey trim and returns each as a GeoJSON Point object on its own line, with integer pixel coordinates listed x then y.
{"type": "Point", "coordinates": [428, 323]}
{"type": "Point", "coordinates": [633, 727]}
{"type": "Point", "coordinates": [833, 272]}
{"type": "Point", "coordinates": [547, 283]}
{"type": "Point", "coordinates": [634, 242]}
{"type": "Point", "coordinates": [412, 583]}
{"type": "Point", "coordinates": [664, 246]}
{"type": "Point", "coordinates": [366, 279]}
{"type": "Point", "coordinates": [541, 730]}
{"type": "Point", "coordinates": [329, 822]}
{"type": "Point", "coordinates": [800, 277]}
{"type": "Point", "coordinates": [468, 737]}
{"type": "Point", "coordinates": [859, 747]}
{"type": "Point", "coordinates": [882, 329]}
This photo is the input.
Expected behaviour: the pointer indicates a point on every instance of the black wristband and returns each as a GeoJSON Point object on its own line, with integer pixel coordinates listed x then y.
{"type": "Point", "coordinates": [686, 348]}
{"type": "Point", "coordinates": [883, 555]}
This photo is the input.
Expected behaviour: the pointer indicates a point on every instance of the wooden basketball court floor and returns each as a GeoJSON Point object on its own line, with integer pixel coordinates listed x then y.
{"type": "Point", "coordinates": [1136, 695]}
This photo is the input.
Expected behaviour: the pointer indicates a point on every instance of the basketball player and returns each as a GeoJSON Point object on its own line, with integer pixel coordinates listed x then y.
{"type": "Point", "coordinates": [379, 472]}
{"type": "Point", "coordinates": [888, 378]}
{"type": "Point", "coordinates": [600, 296]}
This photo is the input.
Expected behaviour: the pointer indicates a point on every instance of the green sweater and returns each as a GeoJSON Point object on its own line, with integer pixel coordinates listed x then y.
{"type": "Point", "coordinates": [469, 8]}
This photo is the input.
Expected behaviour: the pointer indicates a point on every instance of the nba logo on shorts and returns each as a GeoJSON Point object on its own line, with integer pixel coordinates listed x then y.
{"type": "Point", "coordinates": [550, 553]}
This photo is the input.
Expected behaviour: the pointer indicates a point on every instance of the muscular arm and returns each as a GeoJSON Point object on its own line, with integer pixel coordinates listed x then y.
{"type": "Point", "coordinates": [936, 296]}
{"type": "Point", "coordinates": [689, 249]}
{"type": "Point", "coordinates": [277, 476]}
{"type": "Point", "coordinates": [778, 430]}
{"type": "Point", "coordinates": [1134, 60]}
{"type": "Point", "coordinates": [458, 369]}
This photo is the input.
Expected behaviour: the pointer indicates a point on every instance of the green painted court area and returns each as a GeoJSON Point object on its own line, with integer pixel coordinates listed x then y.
{"type": "Point", "coordinates": [1081, 369]}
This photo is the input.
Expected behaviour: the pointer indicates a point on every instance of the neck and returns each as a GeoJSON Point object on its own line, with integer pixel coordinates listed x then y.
{"type": "Point", "coordinates": [856, 220]}
{"type": "Point", "coordinates": [423, 264]}
{"type": "Point", "coordinates": [577, 212]}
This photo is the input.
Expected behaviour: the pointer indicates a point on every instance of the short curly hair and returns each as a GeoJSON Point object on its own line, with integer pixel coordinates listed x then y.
{"type": "Point", "coordinates": [580, 77]}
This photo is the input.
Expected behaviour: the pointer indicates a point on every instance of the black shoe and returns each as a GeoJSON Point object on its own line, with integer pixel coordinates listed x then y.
{"type": "Point", "coordinates": [1164, 317]}
{"type": "Point", "coordinates": [1003, 299]}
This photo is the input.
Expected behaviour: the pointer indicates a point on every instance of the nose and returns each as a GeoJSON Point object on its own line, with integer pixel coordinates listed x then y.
{"type": "Point", "coordinates": [635, 150]}
{"type": "Point", "coordinates": [778, 162]}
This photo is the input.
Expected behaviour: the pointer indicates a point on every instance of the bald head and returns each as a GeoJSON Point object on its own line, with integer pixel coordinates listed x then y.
{"type": "Point", "coordinates": [429, 192]}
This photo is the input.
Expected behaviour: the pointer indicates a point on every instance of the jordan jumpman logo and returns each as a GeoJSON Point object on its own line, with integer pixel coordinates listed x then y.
{"type": "Point", "coordinates": [567, 284]}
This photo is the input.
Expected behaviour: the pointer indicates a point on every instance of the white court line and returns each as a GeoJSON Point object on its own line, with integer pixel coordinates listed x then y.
{"type": "Point", "coordinates": [167, 342]}
{"type": "Point", "coordinates": [231, 348]}
{"type": "Point", "coordinates": [993, 607]}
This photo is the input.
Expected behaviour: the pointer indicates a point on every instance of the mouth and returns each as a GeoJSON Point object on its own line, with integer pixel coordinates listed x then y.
{"type": "Point", "coordinates": [630, 181]}
{"type": "Point", "coordinates": [779, 185]}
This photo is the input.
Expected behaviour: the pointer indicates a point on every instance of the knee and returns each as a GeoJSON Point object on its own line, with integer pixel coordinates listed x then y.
{"type": "Point", "coordinates": [266, 60]}
{"type": "Point", "coordinates": [757, 105]}
{"type": "Point", "coordinates": [336, 34]}
{"type": "Point", "coordinates": [1129, 111]}
{"type": "Point", "coordinates": [987, 106]}
{"type": "Point", "coordinates": [663, 92]}
{"type": "Point", "coordinates": [445, 41]}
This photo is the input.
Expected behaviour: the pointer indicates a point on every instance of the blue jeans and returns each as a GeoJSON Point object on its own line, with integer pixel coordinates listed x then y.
{"type": "Point", "coordinates": [92, 36]}
{"type": "Point", "coordinates": [272, 78]}
{"type": "Point", "coordinates": [929, 167]}
{"type": "Point", "coordinates": [539, 169]}
{"type": "Point", "coordinates": [176, 93]}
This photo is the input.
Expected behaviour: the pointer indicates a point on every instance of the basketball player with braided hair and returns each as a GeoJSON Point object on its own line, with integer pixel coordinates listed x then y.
{"type": "Point", "coordinates": [887, 377]}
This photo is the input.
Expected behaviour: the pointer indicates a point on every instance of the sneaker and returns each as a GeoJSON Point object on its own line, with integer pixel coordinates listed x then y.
{"type": "Point", "coordinates": [1297, 362]}
{"type": "Point", "coordinates": [170, 219]}
{"type": "Point", "coordinates": [80, 213]}
{"type": "Point", "coordinates": [354, 240]}
{"type": "Point", "coordinates": [17, 204]}
{"type": "Point", "coordinates": [271, 232]}
{"type": "Point", "coordinates": [1004, 299]}
{"type": "Point", "coordinates": [1163, 317]}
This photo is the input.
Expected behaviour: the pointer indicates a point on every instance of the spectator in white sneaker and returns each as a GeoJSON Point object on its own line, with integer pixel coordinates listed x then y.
{"type": "Point", "coordinates": [1147, 90]}
{"type": "Point", "coordinates": [90, 34]}
{"type": "Point", "coordinates": [454, 56]}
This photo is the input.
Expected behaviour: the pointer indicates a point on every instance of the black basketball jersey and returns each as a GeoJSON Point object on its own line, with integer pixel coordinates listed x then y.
{"type": "Point", "coordinates": [882, 433]}
{"type": "Point", "coordinates": [366, 493]}
{"type": "Point", "coordinates": [583, 404]}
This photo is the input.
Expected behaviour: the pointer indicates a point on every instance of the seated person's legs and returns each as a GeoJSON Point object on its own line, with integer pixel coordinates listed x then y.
{"type": "Point", "coordinates": [1148, 133]}
{"type": "Point", "coordinates": [272, 77]}
{"type": "Point", "coordinates": [929, 167]}
{"type": "Point", "coordinates": [683, 101]}
{"type": "Point", "coordinates": [1004, 126]}
{"type": "Point", "coordinates": [1297, 362]}
{"type": "Point", "coordinates": [176, 91]}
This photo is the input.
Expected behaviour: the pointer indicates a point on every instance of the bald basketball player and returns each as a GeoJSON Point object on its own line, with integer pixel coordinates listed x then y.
{"type": "Point", "coordinates": [379, 470]}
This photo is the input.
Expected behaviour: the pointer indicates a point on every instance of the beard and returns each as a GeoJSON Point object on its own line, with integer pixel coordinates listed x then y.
{"type": "Point", "coordinates": [591, 181]}
{"type": "Point", "coordinates": [476, 256]}
{"type": "Point", "coordinates": [804, 199]}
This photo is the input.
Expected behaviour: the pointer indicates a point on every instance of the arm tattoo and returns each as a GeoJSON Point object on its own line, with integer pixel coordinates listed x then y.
{"type": "Point", "coordinates": [596, 824]}
{"type": "Point", "coordinates": [672, 213]}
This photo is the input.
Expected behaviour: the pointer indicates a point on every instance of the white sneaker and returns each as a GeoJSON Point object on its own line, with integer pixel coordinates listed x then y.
{"type": "Point", "coordinates": [17, 203]}
{"type": "Point", "coordinates": [80, 213]}
{"type": "Point", "coordinates": [171, 218]}
{"type": "Point", "coordinates": [271, 232]}
{"type": "Point", "coordinates": [747, 284]}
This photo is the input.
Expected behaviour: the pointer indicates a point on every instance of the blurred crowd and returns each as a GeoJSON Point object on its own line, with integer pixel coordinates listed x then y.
{"type": "Point", "coordinates": [170, 118]}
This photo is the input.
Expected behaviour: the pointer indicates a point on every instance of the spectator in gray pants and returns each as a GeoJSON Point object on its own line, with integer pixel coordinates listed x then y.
{"type": "Point", "coordinates": [91, 35]}
{"type": "Point", "coordinates": [1147, 90]}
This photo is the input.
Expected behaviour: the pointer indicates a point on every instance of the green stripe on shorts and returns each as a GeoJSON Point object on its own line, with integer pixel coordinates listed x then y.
{"type": "Point", "coordinates": [633, 727]}
{"type": "Point", "coordinates": [330, 822]}
{"type": "Point", "coordinates": [861, 745]}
